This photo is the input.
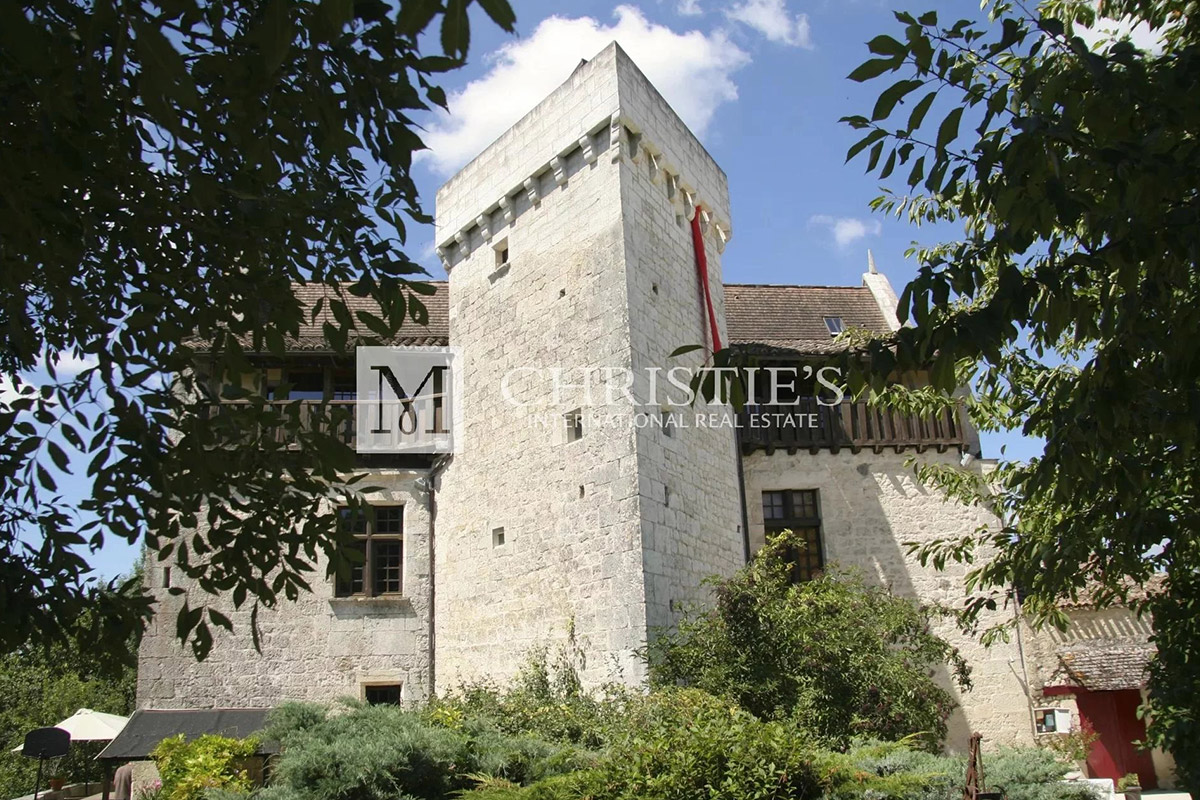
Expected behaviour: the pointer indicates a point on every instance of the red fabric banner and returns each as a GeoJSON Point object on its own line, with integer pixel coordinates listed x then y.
{"type": "Point", "coordinates": [702, 272]}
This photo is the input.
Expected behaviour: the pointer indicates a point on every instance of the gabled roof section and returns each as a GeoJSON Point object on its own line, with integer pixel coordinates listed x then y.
{"type": "Point", "coordinates": [768, 318]}
{"type": "Point", "coordinates": [436, 332]}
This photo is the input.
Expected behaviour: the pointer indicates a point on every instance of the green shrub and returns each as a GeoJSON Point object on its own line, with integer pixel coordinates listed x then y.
{"type": "Point", "coordinates": [384, 752]}
{"type": "Point", "coordinates": [842, 658]}
{"type": "Point", "coordinates": [546, 700]}
{"type": "Point", "coordinates": [189, 769]}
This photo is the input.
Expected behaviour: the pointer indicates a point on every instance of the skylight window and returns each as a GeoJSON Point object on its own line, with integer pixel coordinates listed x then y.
{"type": "Point", "coordinates": [835, 325]}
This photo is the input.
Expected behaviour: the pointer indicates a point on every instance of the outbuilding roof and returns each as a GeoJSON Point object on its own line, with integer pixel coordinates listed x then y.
{"type": "Point", "coordinates": [1103, 665]}
{"type": "Point", "coordinates": [147, 727]}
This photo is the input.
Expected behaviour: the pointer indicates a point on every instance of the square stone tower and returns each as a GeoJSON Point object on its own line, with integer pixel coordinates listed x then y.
{"type": "Point", "coordinates": [571, 515]}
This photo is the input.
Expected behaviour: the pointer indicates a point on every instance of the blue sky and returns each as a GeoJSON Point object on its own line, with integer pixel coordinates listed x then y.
{"type": "Point", "coordinates": [762, 83]}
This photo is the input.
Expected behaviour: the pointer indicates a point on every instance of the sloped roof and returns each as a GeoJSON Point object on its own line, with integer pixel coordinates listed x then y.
{"type": "Point", "coordinates": [147, 727]}
{"type": "Point", "coordinates": [770, 318]}
{"type": "Point", "coordinates": [1102, 665]}
{"type": "Point", "coordinates": [435, 332]}
{"type": "Point", "coordinates": [760, 317]}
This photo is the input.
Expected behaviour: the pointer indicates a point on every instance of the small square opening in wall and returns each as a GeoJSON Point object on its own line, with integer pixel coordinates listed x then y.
{"type": "Point", "coordinates": [497, 537]}
{"type": "Point", "coordinates": [382, 694]}
{"type": "Point", "coordinates": [502, 253]}
{"type": "Point", "coordinates": [574, 420]}
{"type": "Point", "coordinates": [667, 420]}
{"type": "Point", "coordinates": [166, 577]}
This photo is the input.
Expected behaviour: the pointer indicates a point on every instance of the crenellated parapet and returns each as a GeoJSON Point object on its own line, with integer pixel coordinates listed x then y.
{"type": "Point", "coordinates": [620, 120]}
{"type": "Point", "coordinates": [626, 143]}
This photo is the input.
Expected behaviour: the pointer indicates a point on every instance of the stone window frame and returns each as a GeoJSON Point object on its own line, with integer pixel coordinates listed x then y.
{"type": "Point", "coordinates": [383, 692]}
{"type": "Point", "coordinates": [797, 510]}
{"type": "Point", "coordinates": [371, 530]}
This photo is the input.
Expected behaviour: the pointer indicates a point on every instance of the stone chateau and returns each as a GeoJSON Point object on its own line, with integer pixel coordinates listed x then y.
{"type": "Point", "coordinates": [569, 241]}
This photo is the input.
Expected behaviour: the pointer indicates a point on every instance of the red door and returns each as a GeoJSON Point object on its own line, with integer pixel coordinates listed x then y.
{"type": "Point", "coordinates": [1113, 715]}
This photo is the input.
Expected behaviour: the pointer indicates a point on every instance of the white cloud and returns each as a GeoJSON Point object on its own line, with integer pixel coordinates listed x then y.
{"type": "Point", "coordinates": [69, 365]}
{"type": "Point", "coordinates": [771, 19]}
{"type": "Point", "coordinates": [689, 8]}
{"type": "Point", "coordinates": [1106, 31]}
{"type": "Point", "coordinates": [8, 391]}
{"type": "Point", "coordinates": [847, 230]}
{"type": "Point", "coordinates": [691, 69]}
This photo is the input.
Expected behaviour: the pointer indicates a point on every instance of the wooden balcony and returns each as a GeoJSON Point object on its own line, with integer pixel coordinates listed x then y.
{"type": "Point", "coordinates": [813, 427]}
{"type": "Point", "coordinates": [310, 416]}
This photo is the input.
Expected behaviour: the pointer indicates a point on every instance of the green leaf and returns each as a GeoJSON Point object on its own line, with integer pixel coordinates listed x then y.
{"type": "Point", "coordinates": [866, 141]}
{"type": "Point", "coordinates": [685, 349]}
{"type": "Point", "coordinates": [884, 45]}
{"type": "Point", "coordinates": [501, 13]}
{"type": "Point", "coordinates": [456, 35]}
{"type": "Point", "coordinates": [948, 130]}
{"type": "Point", "coordinates": [892, 95]}
{"type": "Point", "coordinates": [919, 111]}
{"type": "Point", "coordinates": [874, 68]}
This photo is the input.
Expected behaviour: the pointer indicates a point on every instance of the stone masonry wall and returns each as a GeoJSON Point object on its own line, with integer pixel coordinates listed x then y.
{"type": "Point", "coordinates": [318, 648]}
{"type": "Point", "coordinates": [870, 505]}
{"type": "Point", "coordinates": [570, 561]}
{"type": "Point", "coordinates": [687, 476]}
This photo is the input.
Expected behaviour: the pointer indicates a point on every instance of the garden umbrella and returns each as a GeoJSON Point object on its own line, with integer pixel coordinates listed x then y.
{"type": "Point", "coordinates": [86, 725]}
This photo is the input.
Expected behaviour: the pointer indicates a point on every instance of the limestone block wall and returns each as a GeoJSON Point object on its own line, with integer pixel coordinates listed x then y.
{"type": "Point", "coordinates": [570, 560]}
{"type": "Point", "coordinates": [317, 648]}
{"type": "Point", "coordinates": [689, 497]}
{"type": "Point", "coordinates": [870, 505]}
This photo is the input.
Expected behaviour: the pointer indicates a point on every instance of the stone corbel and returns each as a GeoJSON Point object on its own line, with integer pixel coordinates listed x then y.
{"type": "Point", "coordinates": [723, 236]}
{"type": "Point", "coordinates": [560, 170]}
{"type": "Point", "coordinates": [705, 219]}
{"type": "Point", "coordinates": [464, 243]}
{"type": "Point", "coordinates": [689, 202]}
{"type": "Point", "coordinates": [616, 137]}
{"type": "Point", "coordinates": [485, 227]}
{"type": "Point", "coordinates": [444, 256]}
{"type": "Point", "coordinates": [657, 174]}
{"type": "Point", "coordinates": [531, 189]}
{"type": "Point", "coordinates": [589, 152]}
{"type": "Point", "coordinates": [506, 209]}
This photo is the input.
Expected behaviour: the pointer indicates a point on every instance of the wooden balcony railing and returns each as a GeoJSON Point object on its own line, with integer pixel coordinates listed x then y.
{"type": "Point", "coordinates": [811, 426]}
{"type": "Point", "coordinates": [310, 416]}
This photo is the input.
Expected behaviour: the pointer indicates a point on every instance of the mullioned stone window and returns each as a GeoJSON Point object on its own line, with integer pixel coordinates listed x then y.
{"type": "Point", "coordinates": [799, 511]}
{"type": "Point", "coordinates": [379, 539]}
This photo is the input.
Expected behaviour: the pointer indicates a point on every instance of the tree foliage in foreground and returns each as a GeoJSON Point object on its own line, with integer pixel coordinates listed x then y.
{"type": "Point", "coordinates": [841, 658]}
{"type": "Point", "coordinates": [1071, 302]}
{"type": "Point", "coordinates": [42, 685]}
{"type": "Point", "coordinates": [167, 170]}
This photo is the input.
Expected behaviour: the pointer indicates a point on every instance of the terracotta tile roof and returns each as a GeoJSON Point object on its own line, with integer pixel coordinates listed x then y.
{"type": "Point", "coordinates": [781, 319]}
{"type": "Point", "coordinates": [435, 332]}
{"type": "Point", "coordinates": [1103, 665]}
{"type": "Point", "coordinates": [765, 319]}
{"type": "Point", "coordinates": [1134, 594]}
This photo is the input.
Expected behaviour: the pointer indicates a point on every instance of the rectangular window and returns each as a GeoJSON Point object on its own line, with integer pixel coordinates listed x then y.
{"type": "Point", "coordinates": [382, 694]}
{"type": "Point", "coordinates": [574, 422]}
{"type": "Point", "coordinates": [834, 325]}
{"type": "Point", "coordinates": [796, 510]}
{"type": "Point", "coordinates": [379, 541]}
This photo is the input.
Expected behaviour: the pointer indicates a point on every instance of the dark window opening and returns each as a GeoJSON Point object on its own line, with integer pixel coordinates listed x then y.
{"type": "Point", "coordinates": [799, 512]}
{"type": "Point", "coordinates": [378, 568]}
{"type": "Point", "coordinates": [575, 425]}
{"type": "Point", "coordinates": [388, 695]}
